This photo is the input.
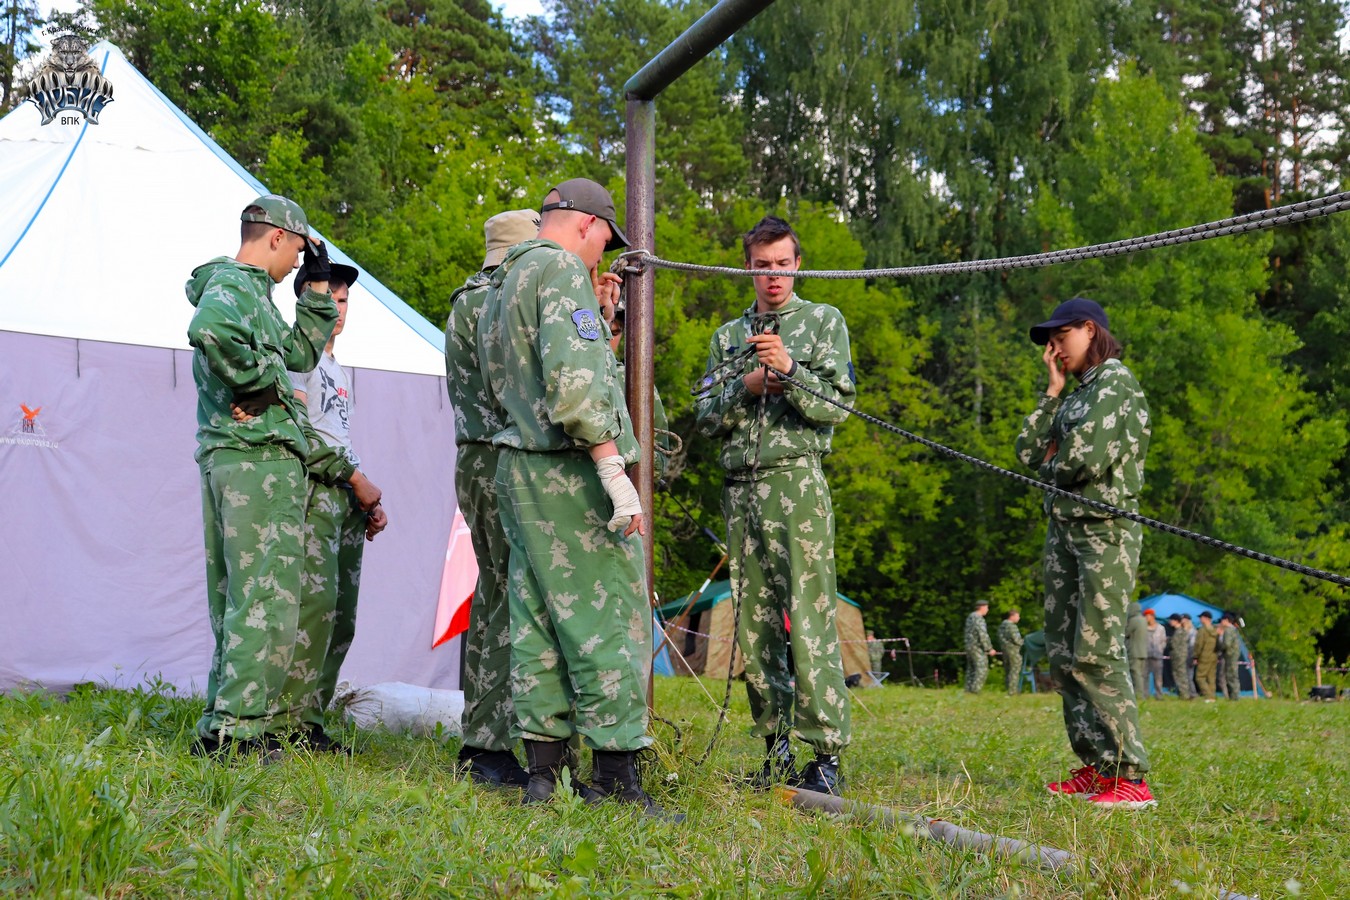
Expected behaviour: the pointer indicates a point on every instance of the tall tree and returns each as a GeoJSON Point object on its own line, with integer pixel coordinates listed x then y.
{"type": "Point", "coordinates": [19, 22]}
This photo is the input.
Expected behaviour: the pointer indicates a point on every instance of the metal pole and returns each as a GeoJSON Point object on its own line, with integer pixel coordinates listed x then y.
{"type": "Point", "coordinates": [700, 39]}
{"type": "Point", "coordinates": [639, 334]}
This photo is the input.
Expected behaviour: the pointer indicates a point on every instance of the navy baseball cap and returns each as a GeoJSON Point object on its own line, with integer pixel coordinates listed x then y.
{"type": "Point", "coordinates": [1079, 309]}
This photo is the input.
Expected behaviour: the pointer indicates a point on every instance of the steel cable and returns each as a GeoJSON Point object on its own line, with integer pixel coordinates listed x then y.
{"type": "Point", "coordinates": [1057, 491]}
{"type": "Point", "coordinates": [1261, 219]}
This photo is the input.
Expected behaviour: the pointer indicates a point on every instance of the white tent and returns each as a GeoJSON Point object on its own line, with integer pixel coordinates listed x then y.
{"type": "Point", "coordinates": [102, 572]}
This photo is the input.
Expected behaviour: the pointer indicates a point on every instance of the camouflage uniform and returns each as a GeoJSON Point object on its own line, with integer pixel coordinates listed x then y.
{"type": "Point", "coordinates": [1010, 643]}
{"type": "Point", "coordinates": [1179, 652]}
{"type": "Point", "coordinates": [1206, 659]}
{"type": "Point", "coordinates": [660, 425]}
{"type": "Point", "coordinates": [1230, 650]}
{"type": "Point", "coordinates": [335, 531]}
{"type": "Point", "coordinates": [1136, 645]}
{"type": "Point", "coordinates": [784, 522]}
{"type": "Point", "coordinates": [977, 652]}
{"type": "Point", "coordinates": [1101, 431]}
{"type": "Point", "coordinates": [581, 626]}
{"type": "Point", "coordinates": [254, 488]}
{"type": "Point", "coordinates": [488, 711]}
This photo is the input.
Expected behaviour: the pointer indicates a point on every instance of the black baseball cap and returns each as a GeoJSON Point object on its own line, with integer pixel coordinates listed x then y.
{"type": "Point", "coordinates": [1079, 309]}
{"type": "Point", "coordinates": [341, 273]}
{"type": "Point", "coordinates": [586, 196]}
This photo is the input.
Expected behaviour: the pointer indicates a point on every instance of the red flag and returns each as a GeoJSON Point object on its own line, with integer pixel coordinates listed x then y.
{"type": "Point", "coordinates": [457, 583]}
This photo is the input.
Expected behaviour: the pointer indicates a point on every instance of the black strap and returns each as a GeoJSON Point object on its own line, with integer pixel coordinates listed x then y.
{"type": "Point", "coordinates": [564, 204]}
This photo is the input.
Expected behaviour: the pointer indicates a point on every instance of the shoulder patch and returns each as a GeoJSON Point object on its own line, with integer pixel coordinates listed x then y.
{"type": "Point", "coordinates": [588, 326]}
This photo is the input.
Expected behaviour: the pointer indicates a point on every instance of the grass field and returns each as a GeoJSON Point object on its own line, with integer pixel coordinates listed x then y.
{"type": "Point", "coordinates": [100, 797]}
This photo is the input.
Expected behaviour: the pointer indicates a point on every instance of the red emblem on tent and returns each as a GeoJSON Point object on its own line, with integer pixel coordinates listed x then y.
{"type": "Point", "coordinates": [458, 579]}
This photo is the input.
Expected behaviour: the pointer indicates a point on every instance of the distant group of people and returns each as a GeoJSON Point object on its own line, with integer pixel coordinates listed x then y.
{"type": "Point", "coordinates": [1202, 660]}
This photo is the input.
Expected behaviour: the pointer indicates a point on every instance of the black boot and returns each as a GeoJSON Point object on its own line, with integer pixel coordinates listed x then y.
{"type": "Point", "coordinates": [616, 775]}
{"type": "Point", "coordinates": [545, 760]}
{"type": "Point", "coordinates": [493, 768]}
{"type": "Point", "coordinates": [780, 766]}
{"type": "Point", "coordinates": [822, 775]}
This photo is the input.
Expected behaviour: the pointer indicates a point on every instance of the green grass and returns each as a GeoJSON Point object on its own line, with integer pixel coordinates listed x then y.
{"type": "Point", "coordinates": [100, 797]}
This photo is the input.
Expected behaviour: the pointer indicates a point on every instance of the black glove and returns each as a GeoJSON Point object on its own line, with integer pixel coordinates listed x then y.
{"type": "Point", "coordinates": [317, 266]}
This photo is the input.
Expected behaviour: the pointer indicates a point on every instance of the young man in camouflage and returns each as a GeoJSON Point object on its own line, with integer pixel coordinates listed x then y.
{"type": "Point", "coordinates": [978, 647]}
{"type": "Point", "coordinates": [344, 511]}
{"type": "Point", "coordinates": [1206, 654]}
{"type": "Point", "coordinates": [1092, 442]}
{"type": "Point", "coordinates": [487, 752]}
{"type": "Point", "coordinates": [777, 506]}
{"type": "Point", "coordinates": [1230, 652]}
{"type": "Point", "coordinates": [1010, 643]}
{"type": "Point", "coordinates": [1179, 654]}
{"type": "Point", "coordinates": [254, 487]}
{"type": "Point", "coordinates": [581, 624]}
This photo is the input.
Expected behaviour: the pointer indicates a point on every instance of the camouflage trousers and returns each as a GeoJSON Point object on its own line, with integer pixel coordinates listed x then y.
{"type": "Point", "coordinates": [581, 623]}
{"type": "Point", "coordinates": [335, 535]}
{"type": "Point", "coordinates": [1012, 671]}
{"type": "Point", "coordinates": [489, 714]}
{"type": "Point", "coordinates": [1139, 676]}
{"type": "Point", "coordinates": [1089, 576]}
{"type": "Point", "coordinates": [1181, 677]}
{"type": "Point", "coordinates": [977, 670]}
{"type": "Point", "coordinates": [253, 513]}
{"type": "Point", "coordinates": [784, 524]}
{"type": "Point", "coordinates": [1232, 685]}
{"type": "Point", "coordinates": [1204, 677]}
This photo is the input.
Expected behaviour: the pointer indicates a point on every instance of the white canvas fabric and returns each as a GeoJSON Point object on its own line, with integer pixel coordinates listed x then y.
{"type": "Point", "coordinates": [102, 569]}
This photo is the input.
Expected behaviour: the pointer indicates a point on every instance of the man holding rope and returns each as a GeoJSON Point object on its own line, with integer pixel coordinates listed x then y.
{"type": "Point", "coordinates": [777, 505]}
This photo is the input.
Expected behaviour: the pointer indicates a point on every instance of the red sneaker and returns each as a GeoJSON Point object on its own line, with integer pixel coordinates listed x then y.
{"type": "Point", "coordinates": [1085, 781]}
{"type": "Point", "coordinates": [1121, 792]}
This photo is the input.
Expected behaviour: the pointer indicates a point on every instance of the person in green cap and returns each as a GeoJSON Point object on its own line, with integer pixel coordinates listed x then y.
{"type": "Point", "coordinates": [581, 623]}
{"type": "Point", "coordinates": [777, 504]}
{"type": "Point", "coordinates": [1010, 644]}
{"type": "Point", "coordinates": [254, 487]}
{"type": "Point", "coordinates": [487, 755]}
{"type": "Point", "coordinates": [1092, 442]}
{"type": "Point", "coordinates": [978, 647]}
{"type": "Point", "coordinates": [1230, 653]}
{"type": "Point", "coordinates": [1179, 655]}
{"type": "Point", "coordinates": [1136, 645]}
{"type": "Point", "coordinates": [344, 511]}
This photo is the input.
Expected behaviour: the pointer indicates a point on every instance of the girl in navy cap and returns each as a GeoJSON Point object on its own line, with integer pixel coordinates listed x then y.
{"type": "Point", "coordinates": [1092, 442]}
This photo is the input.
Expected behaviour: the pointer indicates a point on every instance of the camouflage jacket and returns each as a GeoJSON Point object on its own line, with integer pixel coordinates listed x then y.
{"type": "Point", "coordinates": [1009, 636]}
{"type": "Point", "coordinates": [476, 419]}
{"type": "Point", "coordinates": [1230, 645]}
{"type": "Point", "coordinates": [1206, 649]}
{"type": "Point", "coordinates": [544, 353]}
{"type": "Point", "coordinates": [1101, 432]}
{"type": "Point", "coordinates": [242, 345]}
{"type": "Point", "coordinates": [798, 426]}
{"type": "Point", "coordinates": [977, 634]}
{"type": "Point", "coordinates": [1179, 647]}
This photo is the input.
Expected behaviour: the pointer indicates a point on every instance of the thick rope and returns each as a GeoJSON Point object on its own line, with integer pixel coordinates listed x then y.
{"type": "Point", "coordinates": [1261, 219]}
{"type": "Point", "coordinates": [1107, 508]}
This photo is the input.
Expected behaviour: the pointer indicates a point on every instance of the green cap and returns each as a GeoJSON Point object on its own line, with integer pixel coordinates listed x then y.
{"type": "Point", "coordinates": [279, 211]}
{"type": "Point", "coordinates": [980, 603]}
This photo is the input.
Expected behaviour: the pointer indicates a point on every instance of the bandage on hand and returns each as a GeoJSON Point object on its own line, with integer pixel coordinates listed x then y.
{"type": "Point", "coordinates": [621, 492]}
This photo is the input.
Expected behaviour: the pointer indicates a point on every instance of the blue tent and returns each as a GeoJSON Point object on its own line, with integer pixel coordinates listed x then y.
{"type": "Point", "coordinates": [1164, 605]}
